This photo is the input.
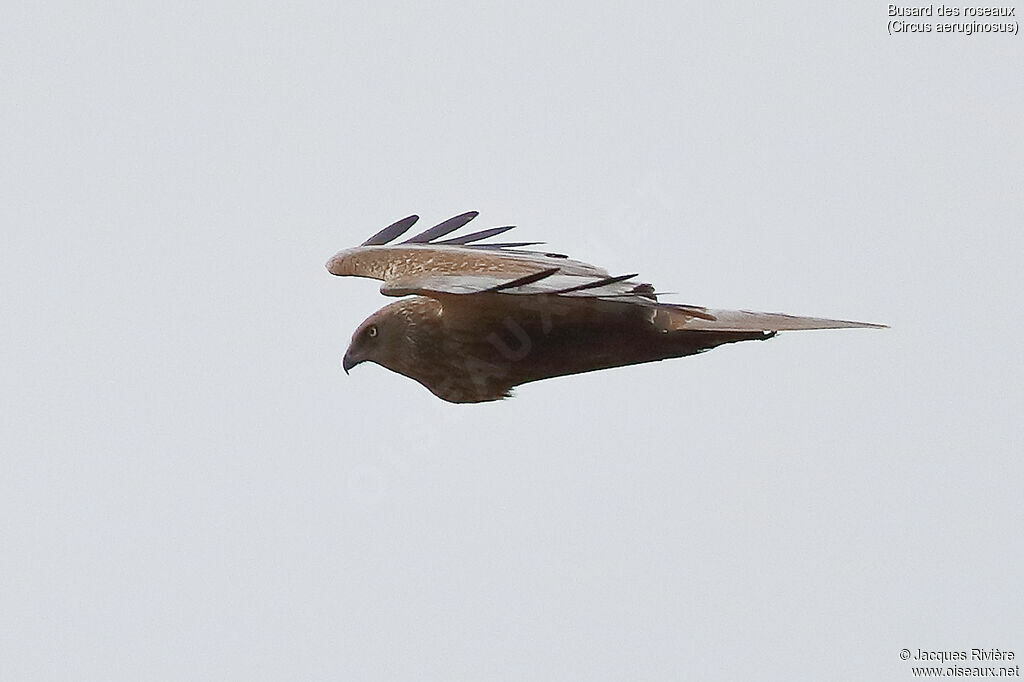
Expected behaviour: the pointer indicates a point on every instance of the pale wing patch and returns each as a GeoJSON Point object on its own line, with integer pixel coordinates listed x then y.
{"type": "Point", "coordinates": [392, 262]}
{"type": "Point", "coordinates": [538, 283]}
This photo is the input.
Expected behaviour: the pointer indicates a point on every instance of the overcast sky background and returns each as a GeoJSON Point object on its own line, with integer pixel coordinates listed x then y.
{"type": "Point", "coordinates": [190, 487]}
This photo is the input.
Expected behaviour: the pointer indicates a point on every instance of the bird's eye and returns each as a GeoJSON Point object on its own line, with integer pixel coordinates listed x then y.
{"type": "Point", "coordinates": [371, 331]}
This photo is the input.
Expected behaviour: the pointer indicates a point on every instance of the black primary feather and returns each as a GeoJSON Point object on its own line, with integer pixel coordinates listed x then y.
{"type": "Point", "coordinates": [392, 231]}
{"type": "Point", "coordinates": [528, 279]}
{"type": "Point", "coordinates": [398, 228]}
{"type": "Point", "coordinates": [443, 228]}
{"type": "Point", "coordinates": [505, 245]}
{"type": "Point", "coordinates": [476, 236]}
{"type": "Point", "coordinates": [596, 283]}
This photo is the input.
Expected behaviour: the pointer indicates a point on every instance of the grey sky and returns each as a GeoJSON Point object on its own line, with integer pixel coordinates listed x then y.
{"type": "Point", "coordinates": [190, 487]}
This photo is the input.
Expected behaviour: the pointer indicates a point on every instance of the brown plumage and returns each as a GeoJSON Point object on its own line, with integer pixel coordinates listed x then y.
{"type": "Point", "coordinates": [486, 317]}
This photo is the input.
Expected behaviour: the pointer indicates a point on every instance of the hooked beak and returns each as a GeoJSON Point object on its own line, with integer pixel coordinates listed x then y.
{"type": "Point", "coordinates": [348, 363]}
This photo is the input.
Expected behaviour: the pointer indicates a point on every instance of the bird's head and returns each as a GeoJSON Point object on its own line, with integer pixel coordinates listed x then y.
{"type": "Point", "coordinates": [368, 341]}
{"type": "Point", "coordinates": [386, 337]}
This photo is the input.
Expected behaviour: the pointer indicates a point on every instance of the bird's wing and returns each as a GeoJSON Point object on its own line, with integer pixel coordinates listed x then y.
{"type": "Point", "coordinates": [428, 254]}
{"type": "Point", "coordinates": [428, 265]}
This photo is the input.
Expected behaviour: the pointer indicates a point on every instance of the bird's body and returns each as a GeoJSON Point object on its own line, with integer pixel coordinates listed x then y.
{"type": "Point", "coordinates": [486, 318]}
{"type": "Point", "coordinates": [470, 349]}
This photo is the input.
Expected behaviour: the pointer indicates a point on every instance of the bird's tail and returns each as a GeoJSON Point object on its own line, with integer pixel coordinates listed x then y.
{"type": "Point", "coordinates": [691, 318]}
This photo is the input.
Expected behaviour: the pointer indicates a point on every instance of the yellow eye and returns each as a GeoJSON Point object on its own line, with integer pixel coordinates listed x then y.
{"type": "Point", "coordinates": [371, 331]}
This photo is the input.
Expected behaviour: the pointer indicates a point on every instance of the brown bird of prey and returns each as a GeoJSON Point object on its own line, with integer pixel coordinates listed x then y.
{"type": "Point", "coordinates": [484, 317]}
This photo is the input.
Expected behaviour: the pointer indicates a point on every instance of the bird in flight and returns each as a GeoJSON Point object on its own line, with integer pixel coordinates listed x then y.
{"type": "Point", "coordinates": [479, 317]}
